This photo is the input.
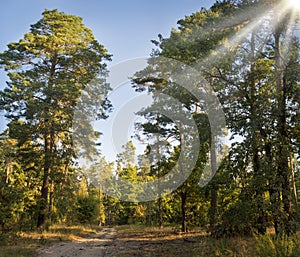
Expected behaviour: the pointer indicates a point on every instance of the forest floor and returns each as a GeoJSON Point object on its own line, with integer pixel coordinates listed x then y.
{"type": "Point", "coordinates": [140, 241]}
{"type": "Point", "coordinates": [97, 245]}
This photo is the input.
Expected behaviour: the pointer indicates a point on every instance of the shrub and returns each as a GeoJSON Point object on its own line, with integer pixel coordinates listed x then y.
{"type": "Point", "coordinates": [284, 246]}
{"type": "Point", "coordinates": [87, 209]}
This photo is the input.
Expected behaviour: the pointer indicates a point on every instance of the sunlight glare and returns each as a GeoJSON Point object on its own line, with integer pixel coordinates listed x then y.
{"type": "Point", "coordinates": [294, 4]}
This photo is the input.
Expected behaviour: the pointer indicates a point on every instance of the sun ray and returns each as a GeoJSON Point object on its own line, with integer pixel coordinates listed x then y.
{"type": "Point", "coordinates": [271, 19]}
{"type": "Point", "coordinates": [260, 20]}
{"type": "Point", "coordinates": [294, 4]}
{"type": "Point", "coordinates": [290, 13]}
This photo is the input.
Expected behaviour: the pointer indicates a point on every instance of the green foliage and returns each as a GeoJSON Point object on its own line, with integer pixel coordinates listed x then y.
{"type": "Point", "coordinates": [87, 203]}
{"type": "Point", "coordinates": [254, 77]}
{"type": "Point", "coordinates": [59, 65]}
{"type": "Point", "coordinates": [16, 196]}
{"type": "Point", "coordinates": [283, 246]}
{"type": "Point", "coordinates": [87, 209]}
{"type": "Point", "coordinates": [237, 220]}
{"type": "Point", "coordinates": [48, 70]}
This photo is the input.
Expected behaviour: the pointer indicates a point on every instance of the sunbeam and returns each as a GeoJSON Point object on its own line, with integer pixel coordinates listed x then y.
{"type": "Point", "coordinates": [263, 19]}
{"type": "Point", "coordinates": [294, 4]}
{"type": "Point", "coordinates": [272, 17]}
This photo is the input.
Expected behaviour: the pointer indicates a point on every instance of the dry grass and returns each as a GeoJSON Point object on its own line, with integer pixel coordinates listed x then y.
{"type": "Point", "coordinates": [24, 244]}
{"type": "Point", "coordinates": [167, 242]}
{"type": "Point", "coordinates": [135, 241]}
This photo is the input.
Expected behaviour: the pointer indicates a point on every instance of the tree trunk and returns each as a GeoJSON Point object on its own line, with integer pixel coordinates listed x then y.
{"type": "Point", "coordinates": [183, 193]}
{"type": "Point", "coordinates": [183, 212]}
{"type": "Point", "coordinates": [213, 207]}
{"type": "Point", "coordinates": [160, 212]}
{"type": "Point", "coordinates": [254, 120]}
{"type": "Point", "coordinates": [160, 209]}
{"type": "Point", "coordinates": [45, 187]}
{"type": "Point", "coordinates": [51, 199]}
{"type": "Point", "coordinates": [282, 150]}
{"type": "Point", "coordinates": [214, 190]}
{"type": "Point", "coordinates": [272, 188]}
{"type": "Point", "coordinates": [9, 170]}
{"type": "Point", "coordinates": [293, 181]}
{"type": "Point", "coordinates": [48, 147]}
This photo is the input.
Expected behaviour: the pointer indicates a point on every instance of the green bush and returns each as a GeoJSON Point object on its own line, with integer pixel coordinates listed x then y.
{"type": "Point", "coordinates": [238, 220]}
{"type": "Point", "coordinates": [87, 210]}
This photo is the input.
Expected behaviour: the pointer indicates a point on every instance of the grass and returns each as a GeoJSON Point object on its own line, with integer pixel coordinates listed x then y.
{"type": "Point", "coordinates": [168, 242]}
{"type": "Point", "coordinates": [25, 244]}
{"type": "Point", "coordinates": [19, 251]}
{"type": "Point", "coordinates": [283, 246]}
{"type": "Point", "coordinates": [133, 240]}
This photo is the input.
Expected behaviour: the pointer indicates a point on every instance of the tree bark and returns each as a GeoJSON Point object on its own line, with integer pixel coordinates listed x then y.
{"type": "Point", "coordinates": [48, 147]}
{"type": "Point", "coordinates": [45, 187]}
{"type": "Point", "coordinates": [255, 126]}
{"type": "Point", "coordinates": [184, 228]}
{"type": "Point", "coordinates": [214, 190]}
{"type": "Point", "coordinates": [282, 149]}
{"type": "Point", "coordinates": [160, 210]}
{"type": "Point", "coordinates": [51, 199]}
{"type": "Point", "coordinates": [293, 181]}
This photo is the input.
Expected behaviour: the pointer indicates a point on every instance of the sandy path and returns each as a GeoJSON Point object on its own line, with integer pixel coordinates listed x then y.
{"type": "Point", "coordinates": [96, 246]}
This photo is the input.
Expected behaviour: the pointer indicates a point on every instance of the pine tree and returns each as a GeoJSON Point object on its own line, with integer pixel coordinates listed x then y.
{"type": "Point", "coordinates": [48, 70]}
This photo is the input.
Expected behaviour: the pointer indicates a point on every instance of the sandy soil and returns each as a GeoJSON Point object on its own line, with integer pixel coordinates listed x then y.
{"type": "Point", "coordinates": [99, 245]}
{"type": "Point", "coordinates": [131, 243]}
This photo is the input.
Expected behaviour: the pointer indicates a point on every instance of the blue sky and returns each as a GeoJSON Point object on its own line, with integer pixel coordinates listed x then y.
{"type": "Point", "coordinates": [124, 27]}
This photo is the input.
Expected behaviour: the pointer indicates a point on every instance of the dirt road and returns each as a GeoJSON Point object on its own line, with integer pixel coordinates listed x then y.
{"type": "Point", "coordinates": [97, 246]}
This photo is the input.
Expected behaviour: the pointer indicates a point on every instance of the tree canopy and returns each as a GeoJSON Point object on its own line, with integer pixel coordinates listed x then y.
{"type": "Point", "coordinates": [48, 70]}
{"type": "Point", "coordinates": [244, 53]}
